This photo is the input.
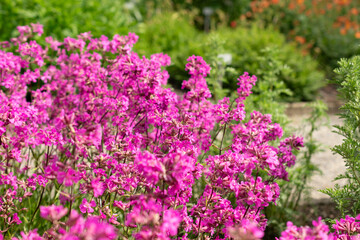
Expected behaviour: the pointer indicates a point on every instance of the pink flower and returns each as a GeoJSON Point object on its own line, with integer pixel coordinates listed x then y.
{"type": "Point", "coordinates": [86, 206]}
{"type": "Point", "coordinates": [32, 235]}
{"type": "Point", "coordinates": [37, 28]}
{"type": "Point", "coordinates": [98, 187]}
{"type": "Point", "coordinates": [171, 222]}
{"type": "Point", "coordinates": [96, 229]}
{"type": "Point", "coordinates": [16, 219]}
{"type": "Point", "coordinates": [53, 212]}
{"type": "Point", "coordinates": [247, 230]}
{"type": "Point", "coordinates": [68, 178]}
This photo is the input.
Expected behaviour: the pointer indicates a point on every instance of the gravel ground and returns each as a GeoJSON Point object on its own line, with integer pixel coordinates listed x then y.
{"type": "Point", "coordinates": [331, 165]}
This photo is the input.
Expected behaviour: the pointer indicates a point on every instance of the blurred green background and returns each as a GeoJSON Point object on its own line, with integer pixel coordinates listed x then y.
{"type": "Point", "coordinates": [307, 44]}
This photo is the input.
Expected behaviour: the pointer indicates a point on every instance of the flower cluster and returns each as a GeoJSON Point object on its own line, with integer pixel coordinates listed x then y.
{"type": "Point", "coordinates": [101, 135]}
{"type": "Point", "coordinates": [345, 229]}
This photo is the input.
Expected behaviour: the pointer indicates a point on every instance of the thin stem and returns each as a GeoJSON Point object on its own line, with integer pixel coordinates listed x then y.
{"type": "Point", "coordinates": [71, 199]}
{"type": "Point", "coordinates": [212, 141]}
{"type": "Point", "coordinates": [206, 206]}
{"type": "Point", "coordinates": [222, 139]}
{"type": "Point", "coordinates": [248, 207]}
{"type": "Point", "coordinates": [38, 206]}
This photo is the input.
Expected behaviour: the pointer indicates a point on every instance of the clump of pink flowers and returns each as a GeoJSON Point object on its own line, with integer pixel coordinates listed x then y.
{"type": "Point", "coordinates": [101, 135]}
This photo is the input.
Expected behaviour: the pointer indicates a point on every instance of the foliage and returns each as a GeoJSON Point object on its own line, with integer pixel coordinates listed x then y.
{"type": "Point", "coordinates": [270, 91]}
{"type": "Point", "coordinates": [170, 33]}
{"type": "Point", "coordinates": [328, 29]}
{"type": "Point", "coordinates": [67, 17]}
{"type": "Point", "coordinates": [247, 47]}
{"type": "Point", "coordinates": [223, 12]}
{"type": "Point", "coordinates": [346, 197]}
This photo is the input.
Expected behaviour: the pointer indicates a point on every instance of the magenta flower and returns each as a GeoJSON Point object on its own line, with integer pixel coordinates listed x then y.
{"type": "Point", "coordinates": [68, 178]}
{"type": "Point", "coordinates": [171, 222]}
{"type": "Point", "coordinates": [37, 28]}
{"type": "Point", "coordinates": [53, 212]}
{"type": "Point", "coordinates": [86, 206]}
{"type": "Point", "coordinates": [96, 229]}
{"type": "Point", "coordinates": [247, 230]}
{"type": "Point", "coordinates": [16, 219]}
{"type": "Point", "coordinates": [32, 235]}
{"type": "Point", "coordinates": [98, 187]}
{"type": "Point", "coordinates": [319, 231]}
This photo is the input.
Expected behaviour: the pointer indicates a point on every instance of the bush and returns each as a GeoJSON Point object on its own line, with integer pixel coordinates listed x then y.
{"type": "Point", "coordinates": [172, 34]}
{"type": "Point", "coordinates": [67, 17]}
{"type": "Point", "coordinates": [346, 197]}
{"type": "Point", "coordinates": [330, 30]}
{"type": "Point", "coordinates": [246, 45]}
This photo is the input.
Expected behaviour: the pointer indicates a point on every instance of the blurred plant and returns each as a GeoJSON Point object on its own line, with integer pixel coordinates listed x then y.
{"type": "Point", "coordinates": [347, 197]}
{"type": "Point", "coordinates": [221, 72]}
{"type": "Point", "coordinates": [224, 12]}
{"type": "Point", "coordinates": [327, 29]}
{"type": "Point", "coordinates": [270, 90]}
{"type": "Point", "coordinates": [247, 46]}
{"type": "Point", "coordinates": [67, 17]}
{"type": "Point", "coordinates": [170, 33]}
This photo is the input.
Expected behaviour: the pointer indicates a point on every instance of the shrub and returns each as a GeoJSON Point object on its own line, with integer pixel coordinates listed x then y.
{"type": "Point", "coordinates": [246, 45]}
{"type": "Point", "coordinates": [346, 197]}
{"type": "Point", "coordinates": [66, 18]}
{"type": "Point", "coordinates": [170, 33]}
{"type": "Point", "coordinates": [328, 29]}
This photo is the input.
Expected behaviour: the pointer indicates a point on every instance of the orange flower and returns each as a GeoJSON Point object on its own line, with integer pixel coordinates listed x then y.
{"type": "Point", "coordinates": [343, 31]}
{"type": "Point", "coordinates": [357, 35]}
{"type": "Point", "coordinates": [342, 2]}
{"type": "Point", "coordinates": [265, 4]}
{"type": "Point", "coordinates": [354, 11]}
{"type": "Point", "coordinates": [347, 25]}
{"type": "Point", "coordinates": [300, 39]}
{"type": "Point", "coordinates": [291, 6]}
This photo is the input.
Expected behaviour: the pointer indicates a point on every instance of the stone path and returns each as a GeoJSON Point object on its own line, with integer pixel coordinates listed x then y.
{"type": "Point", "coordinates": [331, 165]}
